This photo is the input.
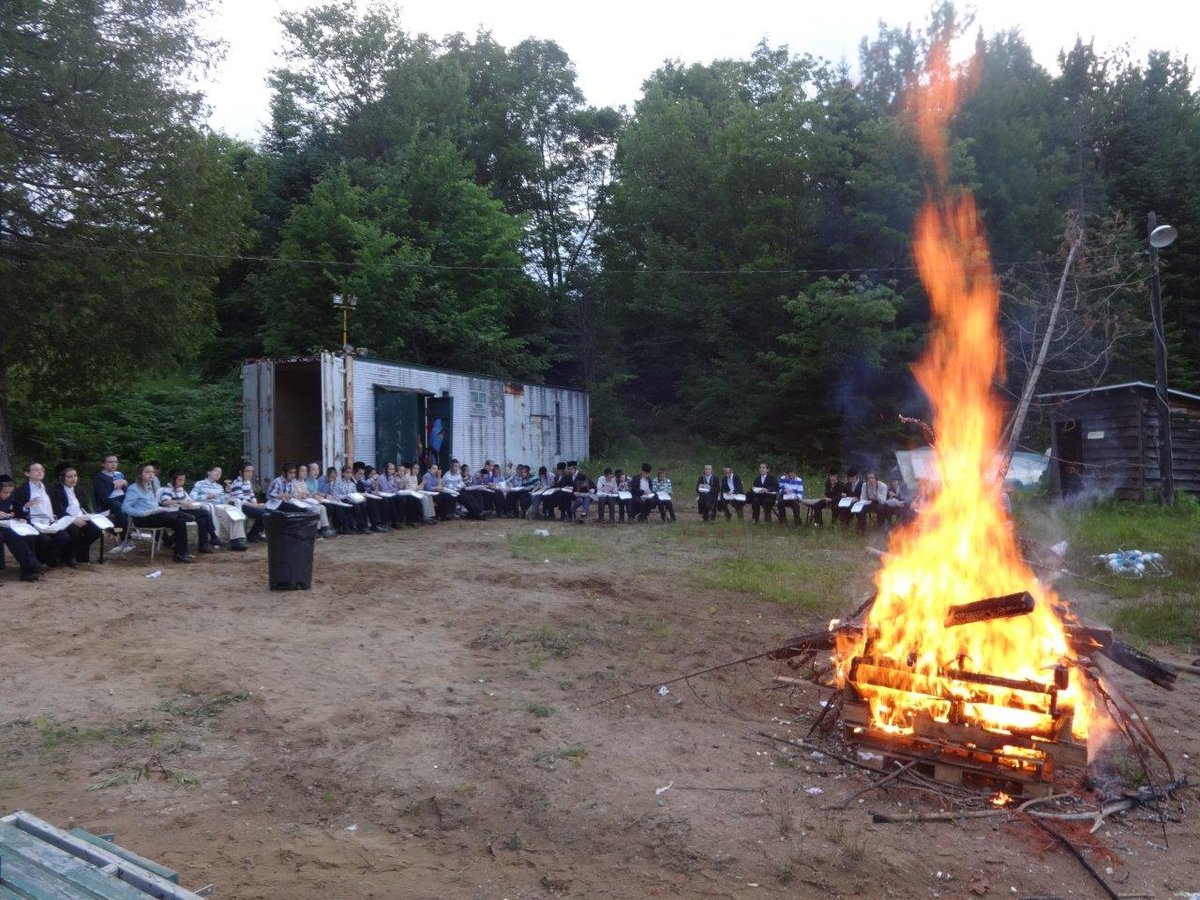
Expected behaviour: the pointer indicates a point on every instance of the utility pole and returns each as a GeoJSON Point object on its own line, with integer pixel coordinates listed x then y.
{"type": "Point", "coordinates": [345, 304]}
{"type": "Point", "coordinates": [1161, 236]}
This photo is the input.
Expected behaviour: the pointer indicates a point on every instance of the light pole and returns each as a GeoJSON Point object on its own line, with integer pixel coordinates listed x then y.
{"type": "Point", "coordinates": [345, 304]}
{"type": "Point", "coordinates": [1161, 236]}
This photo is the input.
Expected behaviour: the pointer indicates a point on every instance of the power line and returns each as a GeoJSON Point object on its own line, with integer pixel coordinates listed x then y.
{"type": "Point", "coordinates": [438, 267]}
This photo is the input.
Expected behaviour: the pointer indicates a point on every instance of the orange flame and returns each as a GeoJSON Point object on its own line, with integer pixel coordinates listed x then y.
{"type": "Point", "coordinates": [962, 549]}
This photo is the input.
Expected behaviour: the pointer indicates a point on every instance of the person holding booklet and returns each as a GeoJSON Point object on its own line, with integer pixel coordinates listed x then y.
{"type": "Point", "coordinates": [70, 501]}
{"type": "Point", "coordinates": [243, 495]}
{"type": "Point", "coordinates": [732, 494]}
{"type": "Point", "coordinates": [141, 506]}
{"type": "Point", "coordinates": [18, 536]}
{"type": "Point", "coordinates": [662, 493]}
{"type": "Point", "coordinates": [31, 502]}
{"type": "Point", "coordinates": [762, 494]}
{"type": "Point", "coordinates": [539, 503]}
{"type": "Point", "coordinates": [300, 498]}
{"type": "Point", "coordinates": [791, 495]}
{"type": "Point", "coordinates": [582, 496]}
{"type": "Point", "coordinates": [319, 489]}
{"type": "Point", "coordinates": [606, 496]}
{"type": "Point", "coordinates": [872, 499]}
{"type": "Point", "coordinates": [413, 483]}
{"type": "Point", "coordinates": [850, 495]}
{"type": "Point", "coordinates": [345, 490]}
{"type": "Point", "coordinates": [228, 521]}
{"type": "Point", "coordinates": [834, 490]}
{"type": "Point", "coordinates": [173, 496]}
{"type": "Point", "coordinates": [624, 497]}
{"type": "Point", "coordinates": [643, 496]}
{"type": "Point", "coordinates": [708, 490]}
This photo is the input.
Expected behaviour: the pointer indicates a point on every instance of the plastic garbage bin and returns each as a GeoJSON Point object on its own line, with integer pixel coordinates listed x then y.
{"type": "Point", "coordinates": [290, 540]}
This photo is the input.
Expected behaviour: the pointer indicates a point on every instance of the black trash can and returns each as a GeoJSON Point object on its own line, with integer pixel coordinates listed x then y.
{"type": "Point", "coordinates": [290, 540]}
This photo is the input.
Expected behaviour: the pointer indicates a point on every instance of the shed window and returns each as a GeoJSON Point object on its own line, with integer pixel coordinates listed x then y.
{"type": "Point", "coordinates": [478, 403]}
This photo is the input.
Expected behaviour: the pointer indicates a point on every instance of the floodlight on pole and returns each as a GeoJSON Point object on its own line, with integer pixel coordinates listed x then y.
{"type": "Point", "coordinates": [1161, 236]}
{"type": "Point", "coordinates": [345, 304]}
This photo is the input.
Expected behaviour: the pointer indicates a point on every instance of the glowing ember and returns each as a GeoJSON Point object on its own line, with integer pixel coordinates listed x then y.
{"type": "Point", "coordinates": [1001, 799]}
{"type": "Point", "coordinates": [962, 551]}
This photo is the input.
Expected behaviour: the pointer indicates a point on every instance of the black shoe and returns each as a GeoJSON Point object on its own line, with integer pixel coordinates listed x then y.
{"type": "Point", "coordinates": [206, 549]}
{"type": "Point", "coordinates": [238, 546]}
{"type": "Point", "coordinates": [31, 576]}
{"type": "Point", "coordinates": [185, 559]}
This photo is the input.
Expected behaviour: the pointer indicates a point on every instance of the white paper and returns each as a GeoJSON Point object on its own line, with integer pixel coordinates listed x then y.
{"type": "Point", "coordinates": [274, 504]}
{"type": "Point", "coordinates": [845, 503]}
{"type": "Point", "coordinates": [858, 507]}
{"type": "Point", "coordinates": [664, 496]}
{"type": "Point", "coordinates": [56, 527]}
{"type": "Point", "coordinates": [356, 497]}
{"type": "Point", "coordinates": [624, 495]}
{"type": "Point", "coordinates": [102, 521]}
{"type": "Point", "coordinates": [703, 488]}
{"type": "Point", "coordinates": [758, 490]}
{"type": "Point", "coordinates": [235, 514]}
{"type": "Point", "coordinates": [450, 492]}
{"type": "Point", "coordinates": [18, 527]}
{"type": "Point", "coordinates": [737, 498]}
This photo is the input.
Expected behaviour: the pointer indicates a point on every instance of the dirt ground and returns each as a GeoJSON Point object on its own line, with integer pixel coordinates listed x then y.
{"type": "Point", "coordinates": [418, 725]}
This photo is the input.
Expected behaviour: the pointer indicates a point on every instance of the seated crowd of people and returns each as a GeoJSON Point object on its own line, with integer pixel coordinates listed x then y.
{"type": "Point", "coordinates": [44, 525]}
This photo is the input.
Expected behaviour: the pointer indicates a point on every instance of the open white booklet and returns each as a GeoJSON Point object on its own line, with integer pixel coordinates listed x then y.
{"type": "Point", "coordinates": [845, 503]}
{"type": "Point", "coordinates": [235, 514]}
{"type": "Point", "coordinates": [101, 521]}
{"type": "Point", "coordinates": [736, 498]}
{"type": "Point", "coordinates": [55, 527]}
{"type": "Point", "coordinates": [624, 495]}
{"type": "Point", "coordinates": [664, 496]}
{"type": "Point", "coordinates": [18, 527]}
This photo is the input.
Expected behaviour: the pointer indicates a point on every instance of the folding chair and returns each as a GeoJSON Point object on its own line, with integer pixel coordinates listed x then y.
{"type": "Point", "coordinates": [153, 534]}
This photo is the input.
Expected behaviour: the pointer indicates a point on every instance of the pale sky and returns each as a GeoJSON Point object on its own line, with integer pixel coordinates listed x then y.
{"type": "Point", "coordinates": [616, 44]}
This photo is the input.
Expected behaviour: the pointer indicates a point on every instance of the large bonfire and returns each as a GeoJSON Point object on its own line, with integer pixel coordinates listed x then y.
{"type": "Point", "coordinates": [963, 548]}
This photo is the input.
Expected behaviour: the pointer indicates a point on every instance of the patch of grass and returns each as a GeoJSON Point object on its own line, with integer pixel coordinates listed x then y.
{"type": "Point", "coordinates": [528, 545]}
{"type": "Point", "coordinates": [660, 629]}
{"type": "Point", "coordinates": [1164, 621]}
{"type": "Point", "coordinates": [537, 659]}
{"type": "Point", "coordinates": [540, 711]}
{"type": "Point", "coordinates": [560, 643]}
{"type": "Point", "coordinates": [1154, 609]}
{"type": "Point", "coordinates": [114, 781]}
{"type": "Point", "coordinates": [576, 753]}
{"type": "Point", "coordinates": [515, 842]}
{"type": "Point", "coordinates": [53, 736]}
{"type": "Point", "coordinates": [812, 584]}
{"type": "Point", "coordinates": [550, 759]}
{"type": "Point", "coordinates": [197, 707]}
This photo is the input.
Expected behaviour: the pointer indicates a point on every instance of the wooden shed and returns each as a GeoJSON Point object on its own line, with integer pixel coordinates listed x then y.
{"type": "Point", "coordinates": [1111, 435]}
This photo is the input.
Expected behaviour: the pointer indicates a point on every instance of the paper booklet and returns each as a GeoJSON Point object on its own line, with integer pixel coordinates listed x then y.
{"type": "Point", "coordinates": [388, 494]}
{"type": "Point", "coordinates": [845, 503]}
{"type": "Point", "coordinates": [624, 495]}
{"type": "Point", "coordinates": [858, 507]}
{"type": "Point", "coordinates": [478, 487]}
{"type": "Point", "coordinates": [738, 498]}
{"type": "Point", "coordinates": [55, 527]}
{"type": "Point", "coordinates": [450, 492]}
{"type": "Point", "coordinates": [235, 514]}
{"type": "Point", "coordinates": [607, 494]}
{"type": "Point", "coordinates": [758, 490]}
{"type": "Point", "coordinates": [18, 527]}
{"type": "Point", "coordinates": [101, 521]}
{"type": "Point", "coordinates": [337, 503]}
{"type": "Point", "coordinates": [356, 497]}
{"type": "Point", "coordinates": [274, 504]}
{"type": "Point", "coordinates": [548, 491]}
{"type": "Point", "coordinates": [663, 495]}
{"type": "Point", "coordinates": [703, 488]}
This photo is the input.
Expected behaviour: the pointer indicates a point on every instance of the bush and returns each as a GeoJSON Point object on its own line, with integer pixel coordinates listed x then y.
{"type": "Point", "coordinates": [181, 425]}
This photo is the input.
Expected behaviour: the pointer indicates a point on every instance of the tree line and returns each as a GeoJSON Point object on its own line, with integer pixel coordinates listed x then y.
{"type": "Point", "coordinates": [729, 257]}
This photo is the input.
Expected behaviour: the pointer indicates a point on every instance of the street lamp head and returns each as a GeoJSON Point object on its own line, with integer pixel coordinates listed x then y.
{"type": "Point", "coordinates": [1163, 236]}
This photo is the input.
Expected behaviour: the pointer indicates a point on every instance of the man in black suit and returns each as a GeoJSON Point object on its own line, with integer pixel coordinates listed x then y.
{"type": "Point", "coordinates": [731, 483]}
{"type": "Point", "coordinates": [68, 499]}
{"type": "Point", "coordinates": [644, 498]}
{"type": "Point", "coordinates": [31, 501]}
{"type": "Point", "coordinates": [108, 489]}
{"type": "Point", "coordinates": [564, 483]}
{"type": "Point", "coordinates": [22, 548]}
{"type": "Point", "coordinates": [835, 489]}
{"type": "Point", "coordinates": [762, 494]}
{"type": "Point", "coordinates": [852, 488]}
{"type": "Point", "coordinates": [706, 499]}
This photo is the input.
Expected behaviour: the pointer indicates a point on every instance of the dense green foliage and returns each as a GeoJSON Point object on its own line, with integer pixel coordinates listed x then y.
{"type": "Point", "coordinates": [730, 258]}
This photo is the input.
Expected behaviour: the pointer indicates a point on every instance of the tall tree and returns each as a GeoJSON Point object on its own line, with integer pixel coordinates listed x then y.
{"type": "Point", "coordinates": [112, 198]}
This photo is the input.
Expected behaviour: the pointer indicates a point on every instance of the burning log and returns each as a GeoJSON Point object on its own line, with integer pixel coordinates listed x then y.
{"type": "Point", "coordinates": [1142, 664]}
{"type": "Point", "coordinates": [1020, 604]}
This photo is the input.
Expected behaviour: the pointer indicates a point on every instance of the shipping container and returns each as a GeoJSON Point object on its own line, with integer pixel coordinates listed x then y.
{"type": "Point", "coordinates": [332, 408]}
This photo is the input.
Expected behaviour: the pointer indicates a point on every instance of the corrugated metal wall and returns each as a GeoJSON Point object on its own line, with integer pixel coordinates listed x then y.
{"type": "Point", "coordinates": [479, 431]}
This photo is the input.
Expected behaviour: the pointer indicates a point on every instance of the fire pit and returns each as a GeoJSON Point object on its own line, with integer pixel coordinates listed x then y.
{"type": "Point", "coordinates": [964, 727]}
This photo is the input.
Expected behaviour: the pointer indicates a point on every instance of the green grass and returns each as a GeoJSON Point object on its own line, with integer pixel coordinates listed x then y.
{"type": "Point", "coordinates": [1154, 609]}
{"type": "Point", "coordinates": [570, 547]}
